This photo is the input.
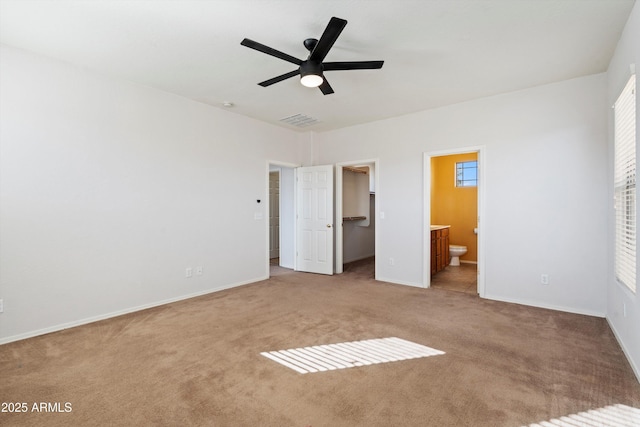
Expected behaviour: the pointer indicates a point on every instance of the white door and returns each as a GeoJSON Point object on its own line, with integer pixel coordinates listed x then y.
{"type": "Point", "coordinates": [314, 226]}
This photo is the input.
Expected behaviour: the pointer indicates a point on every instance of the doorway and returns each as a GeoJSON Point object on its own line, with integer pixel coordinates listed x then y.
{"type": "Point", "coordinates": [287, 202]}
{"type": "Point", "coordinates": [453, 195]}
{"type": "Point", "coordinates": [357, 202]}
{"type": "Point", "coordinates": [280, 227]}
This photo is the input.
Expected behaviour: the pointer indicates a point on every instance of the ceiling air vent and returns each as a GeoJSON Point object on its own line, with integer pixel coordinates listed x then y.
{"type": "Point", "coordinates": [299, 120]}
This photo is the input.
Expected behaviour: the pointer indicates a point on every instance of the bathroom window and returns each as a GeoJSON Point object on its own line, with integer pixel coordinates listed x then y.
{"type": "Point", "coordinates": [625, 185]}
{"type": "Point", "coordinates": [467, 174]}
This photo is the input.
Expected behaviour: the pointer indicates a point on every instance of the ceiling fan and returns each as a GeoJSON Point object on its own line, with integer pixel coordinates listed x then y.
{"type": "Point", "coordinates": [311, 69]}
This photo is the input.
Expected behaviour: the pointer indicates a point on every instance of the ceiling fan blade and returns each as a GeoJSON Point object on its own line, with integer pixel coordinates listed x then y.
{"type": "Point", "coordinates": [329, 37]}
{"type": "Point", "coordinates": [279, 78]}
{"type": "Point", "coordinates": [325, 87]}
{"type": "Point", "coordinates": [352, 65]}
{"type": "Point", "coordinates": [270, 51]}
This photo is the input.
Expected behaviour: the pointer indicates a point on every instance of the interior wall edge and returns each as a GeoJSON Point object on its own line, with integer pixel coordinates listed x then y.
{"type": "Point", "coordinates": [623, 306]}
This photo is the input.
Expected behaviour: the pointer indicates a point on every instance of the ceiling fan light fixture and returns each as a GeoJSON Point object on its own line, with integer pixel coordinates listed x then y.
{"type": "Point", "coordinates": [311, 80]}
{"type": "Point", "coordinates": [311, 74]}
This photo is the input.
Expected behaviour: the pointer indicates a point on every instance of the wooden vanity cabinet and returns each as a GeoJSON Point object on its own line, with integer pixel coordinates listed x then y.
{"type": "Point", "coordinates": [439, 249]}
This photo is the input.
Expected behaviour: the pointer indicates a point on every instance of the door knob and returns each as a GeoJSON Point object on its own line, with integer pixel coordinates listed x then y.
{"type": "Point", "coordinates": [328, 225]}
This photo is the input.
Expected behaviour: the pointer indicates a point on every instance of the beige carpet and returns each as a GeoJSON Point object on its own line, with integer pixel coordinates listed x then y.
{"type": "Point", "coordinates": [198, 362]}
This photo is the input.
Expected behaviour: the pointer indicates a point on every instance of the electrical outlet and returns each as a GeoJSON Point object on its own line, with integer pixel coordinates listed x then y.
{"type": "Point", "coordinates": [199, 271]}
{"type": "Point", "coordinates": [188, 272]}
{"type": "Point", "coordinates": [392, 261]}
{"type": "Point", "coordinates": [544, 279]}
{"type": "Point", "coordinates": [1, 306]}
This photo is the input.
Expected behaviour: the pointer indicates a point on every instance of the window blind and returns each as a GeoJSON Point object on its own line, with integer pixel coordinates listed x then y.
{"type": "Point", "coordinates": [625, 185]}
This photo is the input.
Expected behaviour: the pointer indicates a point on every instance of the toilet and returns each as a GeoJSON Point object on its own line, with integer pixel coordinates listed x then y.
{"type": "Point", "coordinates": [456, 251]}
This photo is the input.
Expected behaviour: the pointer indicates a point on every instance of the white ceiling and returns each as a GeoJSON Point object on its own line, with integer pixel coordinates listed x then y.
{"type": "Point", "coordinates": [436, 52]}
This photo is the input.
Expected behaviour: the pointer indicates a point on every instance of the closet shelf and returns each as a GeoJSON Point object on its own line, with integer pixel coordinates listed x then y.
{"type": "Point", "coordinates": [354, 218]}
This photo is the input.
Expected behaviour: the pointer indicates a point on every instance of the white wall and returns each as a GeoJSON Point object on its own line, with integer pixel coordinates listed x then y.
{"type": "Point", "coordinates": [109, 190]}
{"type": "Point", "coordinates": [546, 189]}
{"type": "Point", "coordinates": [619, 298]}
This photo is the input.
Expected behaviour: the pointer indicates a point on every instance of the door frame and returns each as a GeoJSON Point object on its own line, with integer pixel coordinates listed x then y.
{"type": "Point", "coordinates": [426, 223]}
{"type": "Point", "coordinates": [274, 170]}
{"type": "Point", "coordinates": [277, 164]}
{"type": "Point", "coordinates": [339, 237]}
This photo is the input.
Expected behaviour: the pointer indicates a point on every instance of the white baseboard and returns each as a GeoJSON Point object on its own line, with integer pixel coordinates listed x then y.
{"type": "Point", "coordinates": [400, 282]}
{"type": "Point", "coordinates": [345, 261]}
{"type": "Point", "coordinates": [634, 367]}
{"type": "Point", "coordinates": [547, 306]}
{"type": "Point", "coordinates": [105, 316]}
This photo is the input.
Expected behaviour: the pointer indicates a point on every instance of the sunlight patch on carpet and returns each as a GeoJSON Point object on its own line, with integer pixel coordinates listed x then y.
{"type": "Point", "coordinates": [321, 358]}
{"type": "Point", "coordinates": [609, 416]}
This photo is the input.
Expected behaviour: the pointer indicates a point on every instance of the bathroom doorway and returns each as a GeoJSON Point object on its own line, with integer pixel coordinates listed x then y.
{"type": "Point", "coordinates": [453, 188]}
